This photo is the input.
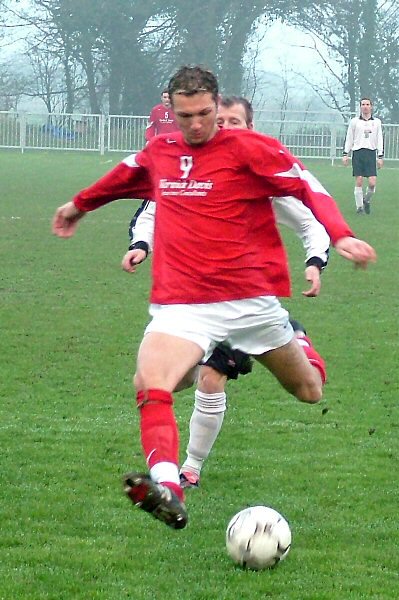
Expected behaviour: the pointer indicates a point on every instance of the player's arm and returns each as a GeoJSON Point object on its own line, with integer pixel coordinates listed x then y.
{"type": "Point", "coordinates": [291, 178]}
{"type": "Point", "coordinates": [141, 235]}
{"type": "Point", "coordinates": [356, 251]}
{"type": "Point", "coordinates": [141, 229]}
{"type": "Point", "coordinates": [150, 130]}
{"type": "Point", "coordinates": [286, 176]}
{"type": "Point", "coordinates": [348, 141]}
{"type": "Point", "coordinates": [126, 180]}
{"type": "Point", "coordinates": [380, 146]}
{"type": "Point", "coordinates": [315, 240]}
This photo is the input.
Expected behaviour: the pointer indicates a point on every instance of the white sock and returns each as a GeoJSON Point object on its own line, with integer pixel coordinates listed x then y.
{"type": "Point", "coordinates": [165, 471]}
{"type": "Point", "coordinates": [369, 192]}
{"type": "Point", "coordinates": [205, 424]}
{"type": "Point", "coordinates": [359, 197]}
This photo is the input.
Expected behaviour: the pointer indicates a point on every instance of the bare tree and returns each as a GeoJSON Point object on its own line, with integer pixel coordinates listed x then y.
{"type": "Point", "coordinates": [357, 45]}
{"type": "Point", "coordinates": [123, 51]}
{"type": "Point", "coordinates": [218, 34]}
{"type": "Point", "coordinates": [13, 86]}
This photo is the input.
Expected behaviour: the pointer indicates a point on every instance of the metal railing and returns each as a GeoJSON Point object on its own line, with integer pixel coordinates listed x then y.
{"type": "Point", "coordinates": [124, 133]}
{"type": "Point", "coordinates": [83, 132]}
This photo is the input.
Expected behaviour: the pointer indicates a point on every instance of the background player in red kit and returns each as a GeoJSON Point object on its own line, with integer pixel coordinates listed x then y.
{"type": "Point", "coordinates": [162, 118]}
{"type": "Point", "coordinates": [218, 266]}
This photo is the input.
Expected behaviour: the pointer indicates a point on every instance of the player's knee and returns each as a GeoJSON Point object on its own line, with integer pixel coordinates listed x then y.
{"type": "Point", "coordinates": [150, 379]}
{"type": "Point", "coordinates": [310, 392]}
{"type": "Point", "coordinates": [311, 396]}
{"type": "Point", "coordinates": [211, 381]}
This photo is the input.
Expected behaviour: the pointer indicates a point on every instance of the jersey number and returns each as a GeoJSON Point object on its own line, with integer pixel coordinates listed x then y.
{"type": "Point", "coordinates": [186, 164]}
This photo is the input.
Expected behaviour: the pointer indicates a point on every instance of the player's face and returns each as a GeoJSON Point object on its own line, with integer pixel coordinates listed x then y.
{"type": "Point", "coordinates": [365, 107]}
{"type": "Point", "coordinates": [165, 99]}
{"type": "Point", "coordinates": [196, 117]}
{"type": "Point", "coordinates": [232, 117]}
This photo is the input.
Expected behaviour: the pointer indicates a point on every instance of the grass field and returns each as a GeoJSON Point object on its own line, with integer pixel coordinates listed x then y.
{"type": "Point", "coordinates": [71, 321]}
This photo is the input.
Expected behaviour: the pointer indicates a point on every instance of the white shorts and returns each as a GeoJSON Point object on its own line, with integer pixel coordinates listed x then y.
{"type": "Point", "coordinates": [253, 325]}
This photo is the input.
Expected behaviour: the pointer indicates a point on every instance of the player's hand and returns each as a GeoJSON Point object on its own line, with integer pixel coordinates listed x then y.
{"type": "Point", "coordinates": [345, 160]}
{"type": "Point", "coordinates": [380, 163]}
{"type": "Point", "coordinates": [312, 275]}
{"type": "Point", "coordinates": [65, 220]}
{"type": "Point", "coordinates": [358, 251]}
{"type": "Point", "coordinates": [133, 258]}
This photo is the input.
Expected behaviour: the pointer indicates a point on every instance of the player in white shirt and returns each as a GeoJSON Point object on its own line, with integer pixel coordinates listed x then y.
{"type": "Point", "coordinates": [225, 363]}
{"type": "Point", "coordinates": [364, 139]}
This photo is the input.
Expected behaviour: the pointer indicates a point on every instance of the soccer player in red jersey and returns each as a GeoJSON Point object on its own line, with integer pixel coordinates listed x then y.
{"type": "Point", "coordinates": [218, 266]}
{"type": "Point", "coordinates": [162, 118]}
{"type": "Point", "coordinates": [225, 363]}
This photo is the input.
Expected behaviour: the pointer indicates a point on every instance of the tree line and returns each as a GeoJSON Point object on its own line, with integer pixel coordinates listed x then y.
{"type": "Point", "coordinates": [116, 55]}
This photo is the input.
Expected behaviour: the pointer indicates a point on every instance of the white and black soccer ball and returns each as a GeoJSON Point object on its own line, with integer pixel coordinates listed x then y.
{"type": "Point", "coordinates": [258, 537]}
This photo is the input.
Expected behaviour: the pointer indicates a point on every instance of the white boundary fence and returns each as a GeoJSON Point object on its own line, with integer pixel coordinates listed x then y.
{"type": "Point", "coordinates": [119, 133]}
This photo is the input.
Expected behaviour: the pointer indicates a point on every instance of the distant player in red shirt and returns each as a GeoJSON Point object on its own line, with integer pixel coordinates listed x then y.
{"type": "Point", "coordinates": [218, 266]}
{"type": "Point", "coordinates": [162, 118]}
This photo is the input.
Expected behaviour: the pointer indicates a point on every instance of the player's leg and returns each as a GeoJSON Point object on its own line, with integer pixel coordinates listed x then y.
{"type": "Point", "coordinates": [298, 367]}
{"type": "Point", "coordinates": [370, 191]}
{"type": "Point", "coordinates": [209, 408]}
{"type": "Point", "coordinates": [162, 362]}
{"type": "Point", "coordinates": [205, 423]}
{"type": "Point", "coordinates": [357, 171]}
{"type": "Point", "coordinates": [358, 193]}
{"type": "Point", "coordinates": [189, 379]}
{"type": "Point", "coordinates": [210, 405]}
{"type": "Point", "coordinates": [271, 340]}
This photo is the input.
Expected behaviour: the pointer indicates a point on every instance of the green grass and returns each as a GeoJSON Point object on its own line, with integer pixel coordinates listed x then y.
{"type": "Point", "coordinates": [71, 322]}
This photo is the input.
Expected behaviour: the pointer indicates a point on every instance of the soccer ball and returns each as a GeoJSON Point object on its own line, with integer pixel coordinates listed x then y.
{"type": "Point", "coordinates": [258, 537]}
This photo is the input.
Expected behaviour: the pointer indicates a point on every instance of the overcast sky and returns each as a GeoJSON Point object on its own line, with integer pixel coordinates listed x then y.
{"type": "Point", "coordinates": [284, 44]}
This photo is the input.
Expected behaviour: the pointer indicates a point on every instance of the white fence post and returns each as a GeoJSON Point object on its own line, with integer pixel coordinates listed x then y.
{"type": "Point", "coordinates": [22, 132]}
{"type": "Point", "coordinates": [101, 127]}
{"type": "Point", "coordinates": [333, 149]}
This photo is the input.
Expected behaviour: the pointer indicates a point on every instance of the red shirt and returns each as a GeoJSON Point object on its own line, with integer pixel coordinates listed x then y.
{"type": "Point", "coordinates": [215, 234]}
{"type": "Point", "coordinates": [162, 120]}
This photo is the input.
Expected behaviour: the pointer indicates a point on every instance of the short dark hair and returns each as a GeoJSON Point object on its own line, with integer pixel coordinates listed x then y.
{"type": "Point", "coordinates": [189, 81]}
{"type": "Point", "coordinates": [361, 100]}
{"type": "Point", "coordinates": [165, 91]}
{"type": "Point", "coordinates": [229, 101]}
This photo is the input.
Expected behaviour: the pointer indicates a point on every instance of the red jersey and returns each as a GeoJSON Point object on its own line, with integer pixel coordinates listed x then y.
{"type": "Point", "coordinates": [215, 233]}
{"type": "Point", "coordinates": [162, 120]}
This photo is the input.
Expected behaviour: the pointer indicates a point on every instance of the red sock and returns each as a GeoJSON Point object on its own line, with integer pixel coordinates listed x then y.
{"type": "Point", "coordinates": [314, 357]}
{"type": "Point", "coordinates": [159, 434]}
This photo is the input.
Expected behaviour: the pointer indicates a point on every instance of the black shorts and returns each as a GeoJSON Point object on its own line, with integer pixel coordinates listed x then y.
{"type": "Point", "coordinates": [364, 162]}
{"type": "Point", "coordinates": [231, 363]}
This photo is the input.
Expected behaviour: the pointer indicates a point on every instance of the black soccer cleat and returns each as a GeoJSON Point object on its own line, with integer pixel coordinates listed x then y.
{"type": "Point", "coordinates": [366, 205]}
{"type": "Point", "coordinates": [157, 499]}
{"type": "Point", "coordinates": [297, 326]}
